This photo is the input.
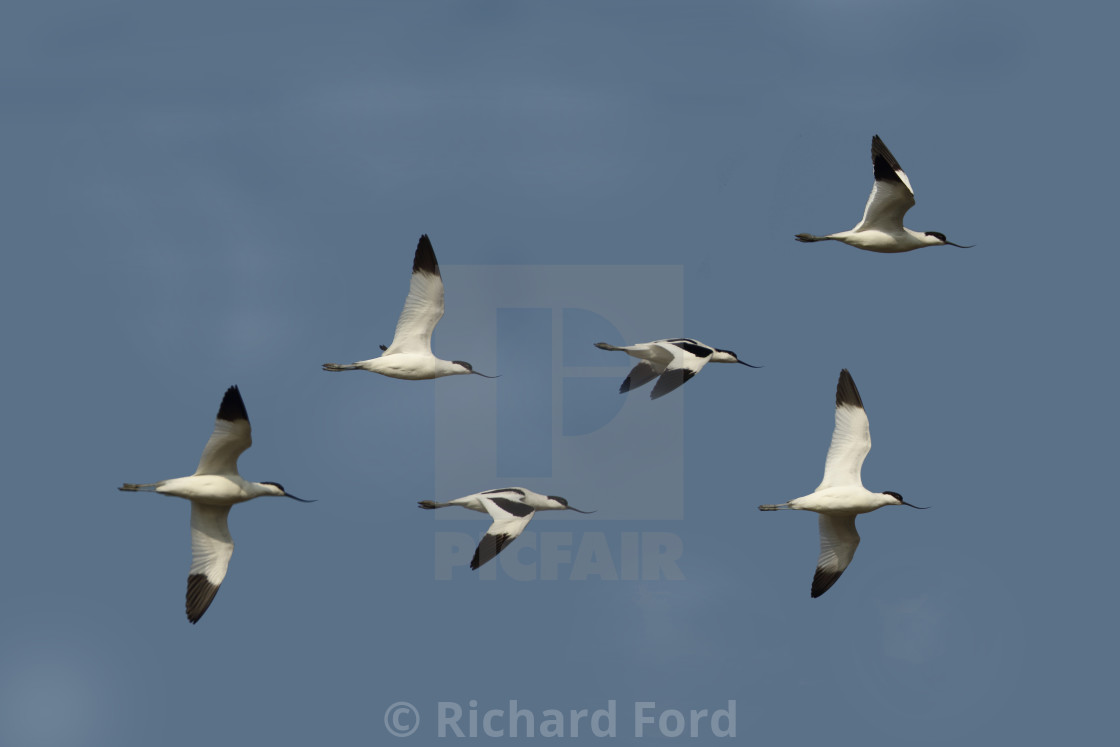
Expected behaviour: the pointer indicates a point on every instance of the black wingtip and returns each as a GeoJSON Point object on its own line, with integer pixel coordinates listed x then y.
{"type": "Point", "coordinates": [425, 259]}
{"type": "Point", "coordinates": [846, 392]}
{"type": "Point", "coordinates": [200, 593]}
{"type": "Point", "coordinates": [823, 581]}
{"type": "Point", "coordinates": [884, 162]}
{"type": "Point", "coordinates": [488, 548]}
{"type": "Point", "coordinates": [233, 408]}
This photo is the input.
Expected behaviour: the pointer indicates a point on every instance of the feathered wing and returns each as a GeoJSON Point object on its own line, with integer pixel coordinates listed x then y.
{"type": "Point", "coordinates": [211, 549]}
{"type": "Point", "coordinates": [639, 376]}
{"type": "Point", "coordinates": [670, 380]}
{"type": "Point", "coordinates": [232, 435]}
{"type": "Point", "coordinates": [851, 438]}
{"type": "Point", "coordinates": [839, 540]}
{"type": "Point", "coordinates": [510, 519]}
{"type": "Point", "coordinates": [424, 306]}
{"type": "Point", "coordinates": [891, 196]}
{"type": "Point", "coordinates": [655, 358]}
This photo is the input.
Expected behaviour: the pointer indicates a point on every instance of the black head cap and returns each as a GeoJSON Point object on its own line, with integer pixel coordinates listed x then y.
{"type": "Point", "coordinates": [898, 498]}
{"type": "Point", "coordinates": [559, 500]}
{"type": "Point", "coordinates": [941, 237]}
{"type": "Point", "coordinates": [276, 485]}
{"type": "Point", "coordinates": [464, 364]}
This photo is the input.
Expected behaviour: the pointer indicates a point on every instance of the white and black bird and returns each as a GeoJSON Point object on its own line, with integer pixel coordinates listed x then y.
{"type": "Point", "coordinates": [881, 229]}
{"type": "Point", "coordinates": [213, 488]}
{"type": "Point", "coordinates": [410, 354]}
{"type": "Point", "coordinates": [511, 509]}
{"type": "Point", "coordinates": [671, 362]}
{"type": "Point", "coordinates": [841, 496]}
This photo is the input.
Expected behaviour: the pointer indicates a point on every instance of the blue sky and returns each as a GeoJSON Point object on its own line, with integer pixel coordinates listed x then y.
{"type": "Point", "coordinates": [231, 193]}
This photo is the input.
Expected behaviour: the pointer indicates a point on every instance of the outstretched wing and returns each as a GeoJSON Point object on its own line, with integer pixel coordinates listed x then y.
{"type": "Point", "coordinates": [670, 380]}
{"type": "Point", "coordinates": [688, 358]}
{"type": "Point", "coordinates": [232, 435]}
{"type": "Point", "coordinates": [424, 306]}
{"type": "Point", "coordinates": [510, 519]}
{"type": "Point", "coordinates": [211, 549]}
{"type": "Point", "coordinates": [851, 438]}
{"type": "Point", "coordinates": [639, 376]}
{"type": "Point", "coordinates": [891, 196]}
{"type": "Point", "coordinates": [839, 540]}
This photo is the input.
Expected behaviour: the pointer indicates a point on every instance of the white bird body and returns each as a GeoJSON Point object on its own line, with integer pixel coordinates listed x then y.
{"type": "Point", "coordinates": [212, 490]}
{"type": "Point", "coordinates": [845, 501]}
{"type": "Point", "coordinates": [410, 355]}
{"type": "Point", "coordinates": [510, 508]}
{"type": "Point", "coordinates": [881, 229]}
{"type": "Point", "coordinates": [841, 496]}
{"type": "Point", "coordinates": [410, 366]}
{"type": "Point", "coordinates": [671, 361]}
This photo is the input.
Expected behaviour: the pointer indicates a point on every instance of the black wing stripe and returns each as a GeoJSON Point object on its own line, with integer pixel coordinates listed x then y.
{"type": "Point", "coordinates": [519, 491]}
{"type": "Point", "coordinates": [512, 507]}
{"type": "Point", "coordinates": [698, 350]}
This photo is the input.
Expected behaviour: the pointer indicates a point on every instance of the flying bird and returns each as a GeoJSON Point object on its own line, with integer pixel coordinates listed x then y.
{"type": "Point", "coordinates": [881, 229]}
{"type": "Point", "coordinates": [841, 496]}
{"type": "Point", "coordinates": [410, 354]}
{"type": "Point", "coordinates": [671, 362]}
{"type": "Point", "coordinates": [511, 509]}
{"type": "Point", "coordinates": [213, 488]}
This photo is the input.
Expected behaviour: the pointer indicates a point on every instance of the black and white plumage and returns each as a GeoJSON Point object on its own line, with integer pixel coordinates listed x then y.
{"type": "Point", "coordinates": [841, 496]}
{"type": "Point", "coordinates": [410, 354]}
{"type": "Point", "coordinates": [881, 228]}
{"type": "Point", "coordinates": [511, 509]}
{"type": "Point", "coordinates": [212, 490]}
{"type": "Point", "coordinates": [672, 362]}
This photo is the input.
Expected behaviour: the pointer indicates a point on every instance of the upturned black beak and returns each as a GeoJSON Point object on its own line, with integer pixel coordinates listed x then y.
{"type": "Point", "coordinates": [911, 505]}
{"type": "Point", "coordinates": [747, 364]}
{"type": "Point", "coordinates": [476, 373]}
{"type": "Point", "coordinates": [579, 512]}
{"type": "Point", "coordinates": [962, 246]}
{"type": "Point", "coordinates": [301, 500]}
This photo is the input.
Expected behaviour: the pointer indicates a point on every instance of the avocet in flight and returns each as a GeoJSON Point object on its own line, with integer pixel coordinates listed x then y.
{"type": "Point", "coordinates": [881, 229]}
{"type": "Point", "coordinates": [213, 488]}
{"type": "Point", "coordinates": [511, 509]}
{"type": "Point", "coordinates": [410, 354]}
{"type": "Point", "coordinates": [671, 362]}
{"type": "Point", "coordinates": [841, 496]}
